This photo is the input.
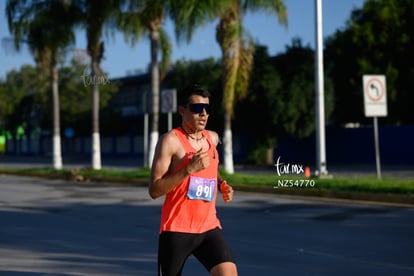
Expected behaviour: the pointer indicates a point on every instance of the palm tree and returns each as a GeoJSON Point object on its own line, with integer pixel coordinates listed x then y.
{"type": "Point", "coordinates": [46, 27]}
{"type": "Point", "coordinates": [145, 18]}
{"type": "Point", "coordinates": [95, 16]}
{"type": "Point", "coordinates": [237, 48]}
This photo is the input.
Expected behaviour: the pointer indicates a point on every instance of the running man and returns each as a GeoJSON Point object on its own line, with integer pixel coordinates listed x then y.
{"type": "Point", "coordinates": [185, 170]}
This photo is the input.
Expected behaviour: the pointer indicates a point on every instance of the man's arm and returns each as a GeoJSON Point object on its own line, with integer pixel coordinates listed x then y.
{"type": "Point", "coordinates": [160, 182]}
{"type": "Point", "coordinates": [225, 189]}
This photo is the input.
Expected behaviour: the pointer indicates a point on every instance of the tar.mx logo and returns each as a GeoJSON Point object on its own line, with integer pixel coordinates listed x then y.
{"type": "Point", "coordinates": [283, 169]}
{"type": "Point", "coordinates": [93, 79]}
{"type": "Point", "coordinates": [295, 170]}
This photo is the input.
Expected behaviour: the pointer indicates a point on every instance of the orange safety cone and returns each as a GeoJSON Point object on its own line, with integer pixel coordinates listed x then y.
{"type": "Point", "coordinates": [307, 172]}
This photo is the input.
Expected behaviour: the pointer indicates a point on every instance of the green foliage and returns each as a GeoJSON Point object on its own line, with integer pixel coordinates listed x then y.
{"type": "Point", "coordinates": [281, 97]}
{"type": "Point", "coordinates": [46, 26]}
{"type": "Point", "coordinates": [75, 98]}
{"type": "Point", "coordinates": [295, 102]}
{"type": "Point", "coordinates": [259, 105]}
{"type": "Point", "coordinates": [145, 19]}
{"type": "Point", "coordinates": [236, 47]}
{"type": "Point", "coordinates": [258, 155]}
{"type": "Point", "coordinates": [25, 93]}
{"type": "Point", "coordinates": [377, 40]}
{"type": "Point", "coordinates": [9, 98]}
{"type": "Point", "coordinates": [206, 73]}
{"type": "Point", "coordinates": [140, 176]}
{"type": "Point", "coordinates": [27, 98]}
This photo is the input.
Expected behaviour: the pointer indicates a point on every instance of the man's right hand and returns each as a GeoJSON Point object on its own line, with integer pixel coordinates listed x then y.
{"type": "Point", "coordinates": [200, 161]}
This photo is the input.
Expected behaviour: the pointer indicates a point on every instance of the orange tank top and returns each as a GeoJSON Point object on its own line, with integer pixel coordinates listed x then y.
{"type": "Point", "coordinates": [191, 206]}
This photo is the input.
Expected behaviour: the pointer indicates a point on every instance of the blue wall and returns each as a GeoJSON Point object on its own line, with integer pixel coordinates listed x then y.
{"type": "Point", "coordinates": [353, 145]}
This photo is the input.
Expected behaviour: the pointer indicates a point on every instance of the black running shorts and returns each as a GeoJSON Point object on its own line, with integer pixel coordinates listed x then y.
{"type": "Point", "coordinates": [210, 248]}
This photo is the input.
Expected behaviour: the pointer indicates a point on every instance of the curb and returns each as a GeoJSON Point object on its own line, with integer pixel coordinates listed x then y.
{"type": "Point", "coordinates": [375, 198]}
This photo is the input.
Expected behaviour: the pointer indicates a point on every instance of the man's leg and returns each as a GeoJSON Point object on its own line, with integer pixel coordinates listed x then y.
{"type": "Point", "coordinates": [224, 269]}
{"type": "Point", "coordinates": [173, 250]}
{"type": "Point", "coordinates": [215, 254]}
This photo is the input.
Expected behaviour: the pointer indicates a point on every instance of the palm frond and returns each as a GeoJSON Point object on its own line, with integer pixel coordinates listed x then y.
{"type": "Point", "coordinates": [188, 15]}
{"type": "Point", "coordinates": [132, 27]}
{"type": "Point", "coordinates": [268, 6]}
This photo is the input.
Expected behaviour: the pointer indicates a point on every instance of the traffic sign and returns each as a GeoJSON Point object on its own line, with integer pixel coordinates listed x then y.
{"type": "Point", "coordinates": [168, 100]}
{"type": "Point", "coordinates": [375, 95]}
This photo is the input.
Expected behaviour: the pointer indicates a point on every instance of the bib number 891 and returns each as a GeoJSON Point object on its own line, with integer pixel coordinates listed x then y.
{"type": "Point", "coordinates": [204, 190]}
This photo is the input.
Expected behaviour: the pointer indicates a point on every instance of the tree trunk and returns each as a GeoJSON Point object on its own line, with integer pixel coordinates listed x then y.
{"type": "Point", "coordinates": [96, 140]}
{"type": "Point", "coordinates": [57, 151]}
{"type": "Point", "coordinates": [155, 92]}
{"type": "Point", "coordinates": [230, 48]}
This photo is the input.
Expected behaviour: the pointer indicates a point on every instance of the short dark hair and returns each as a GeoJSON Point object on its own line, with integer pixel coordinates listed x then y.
{"type": "Point", "coordinates": [193, 89]}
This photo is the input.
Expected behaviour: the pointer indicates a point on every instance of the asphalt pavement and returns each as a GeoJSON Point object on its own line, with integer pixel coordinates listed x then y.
{"type": "Point", "coordinates": [57, 227]}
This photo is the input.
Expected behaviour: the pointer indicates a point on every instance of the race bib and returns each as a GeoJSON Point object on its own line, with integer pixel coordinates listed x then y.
{"type": "Point", "coordinates": [201, 188]}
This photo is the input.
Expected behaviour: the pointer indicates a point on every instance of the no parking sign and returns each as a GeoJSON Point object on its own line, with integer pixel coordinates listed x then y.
{"type": "Point", "coordinates": [168, 100]}
{"type": "Point", "coordinates": [375, 99]}
{"type": "Point", "coordinates": [375, 96]}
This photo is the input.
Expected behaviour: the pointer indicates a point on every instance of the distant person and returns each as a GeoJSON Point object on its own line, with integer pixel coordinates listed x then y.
{"type": "Point", "coordinates": [185, 169]}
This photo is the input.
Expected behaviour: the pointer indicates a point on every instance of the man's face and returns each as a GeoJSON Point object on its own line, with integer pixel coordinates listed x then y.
{"type": "Point", "coordinates": [195, 113]}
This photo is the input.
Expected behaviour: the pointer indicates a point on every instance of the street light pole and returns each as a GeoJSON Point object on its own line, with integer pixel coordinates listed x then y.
{"type": "Point", "coordinates": [319, 94]}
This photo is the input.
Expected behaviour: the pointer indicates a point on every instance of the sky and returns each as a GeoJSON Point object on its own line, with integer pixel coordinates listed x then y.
{"type": "Point", "coordinates": [121, 59]}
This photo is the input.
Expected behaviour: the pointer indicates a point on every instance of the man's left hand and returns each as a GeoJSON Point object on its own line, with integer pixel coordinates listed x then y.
{"type": "Point", "coordinates": [226, 191]}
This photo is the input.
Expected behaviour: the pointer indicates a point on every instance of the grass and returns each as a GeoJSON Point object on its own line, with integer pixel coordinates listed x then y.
{"type": "Point", "coordinates": [352, 184]}
{"type": "Point", "coordinates": [369, 188]}
{"type": "Point", "coordinates": [84, 175]}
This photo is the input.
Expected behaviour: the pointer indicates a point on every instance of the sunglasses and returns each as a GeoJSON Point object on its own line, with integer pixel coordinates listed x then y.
{"type": "Point", "coordinates": [197, 108]}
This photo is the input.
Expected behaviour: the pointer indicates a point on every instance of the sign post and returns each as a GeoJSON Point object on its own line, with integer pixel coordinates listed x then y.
{"type": "Point", "coordinates": [146, 124]}
{"type": "Point", "coordinates": [319, 94]}
{"type": "Point", "coordinates": [375, 105]}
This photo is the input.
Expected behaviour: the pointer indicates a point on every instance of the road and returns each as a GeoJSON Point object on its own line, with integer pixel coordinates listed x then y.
{"type": "Point", "coordinates": [55, 227]}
